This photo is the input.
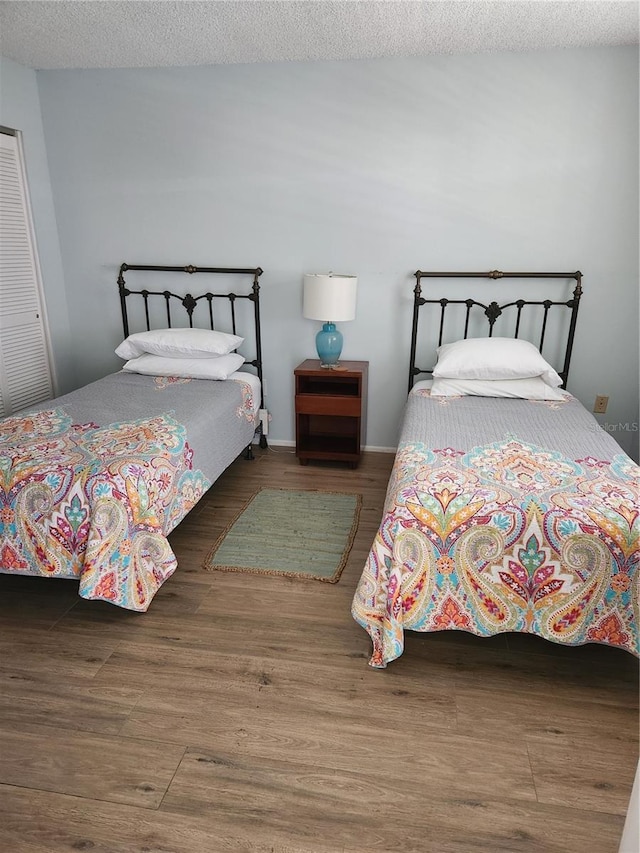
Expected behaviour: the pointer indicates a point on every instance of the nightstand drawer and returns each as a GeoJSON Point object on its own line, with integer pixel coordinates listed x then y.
{"type": "Point", "coordinates": [310, 404]}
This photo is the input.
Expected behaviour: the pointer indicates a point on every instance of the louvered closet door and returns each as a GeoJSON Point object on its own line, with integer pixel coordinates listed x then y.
{"type": "Point", "coordinates": [25, 371]}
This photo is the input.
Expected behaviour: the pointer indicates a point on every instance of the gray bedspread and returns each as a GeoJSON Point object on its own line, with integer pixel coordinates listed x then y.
{"type": "Point", "coordinates": [566, 427]}
{"type": "Point", "coordinates": [504, 515]}
{"type": "Point", "coordinates": [93, 482]}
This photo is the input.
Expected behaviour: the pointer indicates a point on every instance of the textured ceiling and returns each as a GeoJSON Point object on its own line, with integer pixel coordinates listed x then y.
{"type": "Point", "coordinates": [144, 33]}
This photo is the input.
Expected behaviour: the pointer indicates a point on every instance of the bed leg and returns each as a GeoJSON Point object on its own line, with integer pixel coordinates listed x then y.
{"type": "Point", "coordinates": [249, 453]}
{"type": "Point", "coordinates": [263, 437]}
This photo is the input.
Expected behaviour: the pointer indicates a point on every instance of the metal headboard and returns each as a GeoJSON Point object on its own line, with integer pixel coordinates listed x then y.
{"type": "Point", "coordinates": [493, 310]}
{"type": "Point", "coordinates": [190, 302]}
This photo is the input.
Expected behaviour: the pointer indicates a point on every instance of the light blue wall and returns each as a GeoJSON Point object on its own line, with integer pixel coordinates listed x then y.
{"type": "Point", "coordinates": [20, 110]}
{"type": "Point", "coordinates": [374, 168]}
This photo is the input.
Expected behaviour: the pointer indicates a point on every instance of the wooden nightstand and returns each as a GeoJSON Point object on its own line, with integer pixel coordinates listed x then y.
{"type": "Point", "coordinates": [331, 411]}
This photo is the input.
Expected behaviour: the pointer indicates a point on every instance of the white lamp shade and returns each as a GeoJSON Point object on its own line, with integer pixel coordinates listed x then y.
{"type": "Point", "coordinates": [329, 298]}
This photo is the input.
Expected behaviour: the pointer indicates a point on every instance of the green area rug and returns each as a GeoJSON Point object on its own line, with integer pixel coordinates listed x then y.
{"type": "Point", "coordinates": [299, 534]}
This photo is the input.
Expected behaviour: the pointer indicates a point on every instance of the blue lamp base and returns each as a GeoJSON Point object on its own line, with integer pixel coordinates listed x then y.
{"type": "Point", "coordinates": [329, 345]}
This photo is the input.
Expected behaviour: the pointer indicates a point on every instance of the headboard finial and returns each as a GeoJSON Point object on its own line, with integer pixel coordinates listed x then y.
{"type": "Point", "coordinates": [492, 311]}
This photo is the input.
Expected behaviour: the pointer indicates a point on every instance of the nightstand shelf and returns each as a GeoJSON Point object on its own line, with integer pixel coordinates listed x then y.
{"type": "Point", "coordinates": [330, 407]}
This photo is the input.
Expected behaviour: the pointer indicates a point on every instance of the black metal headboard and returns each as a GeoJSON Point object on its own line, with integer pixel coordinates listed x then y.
{"type": "Point", "coordinates": [493, 310]}
{"type": "Point", "coordinates": [190, 302]}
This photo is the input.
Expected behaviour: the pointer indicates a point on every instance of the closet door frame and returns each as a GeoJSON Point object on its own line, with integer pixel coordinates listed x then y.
{"type": "Point", "coordinates": [35, 259]}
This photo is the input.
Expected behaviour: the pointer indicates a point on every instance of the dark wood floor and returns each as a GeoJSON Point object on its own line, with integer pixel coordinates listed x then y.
{"type": "Point", "coordinates": [239, 713]}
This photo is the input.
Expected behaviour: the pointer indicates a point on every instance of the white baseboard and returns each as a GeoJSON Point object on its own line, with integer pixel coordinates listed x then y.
{"type": "Point", "coordinates": [275, 442]}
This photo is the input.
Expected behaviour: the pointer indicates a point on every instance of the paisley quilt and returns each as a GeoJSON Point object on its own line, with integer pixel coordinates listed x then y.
{"type": "Point", "coordinates": [91, 484]}
{"type": "Point", "coordinates": [504, 515]}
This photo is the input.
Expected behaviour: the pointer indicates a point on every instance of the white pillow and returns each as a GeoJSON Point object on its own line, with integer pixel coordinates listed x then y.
{"type": "Point", "coordinates": [179, 343]}
{"type": "Point", "coordinates": [493, 358]}
{"type": "Point", "coordinates": [193, 368]}
{"type": "Point", "coordinates": [534, 388]}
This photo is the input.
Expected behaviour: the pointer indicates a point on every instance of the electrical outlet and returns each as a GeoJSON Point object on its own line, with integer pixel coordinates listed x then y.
{"type": "Point", "coordinates": [264, 420]}
{"type": "Point", "coordinates": [600, 405]}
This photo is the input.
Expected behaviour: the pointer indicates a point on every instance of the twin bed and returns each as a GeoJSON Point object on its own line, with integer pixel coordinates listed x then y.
{"type": "Point", "coordinates": [502, 513]}
{"type": "Point", "coordinates": [93, 482]}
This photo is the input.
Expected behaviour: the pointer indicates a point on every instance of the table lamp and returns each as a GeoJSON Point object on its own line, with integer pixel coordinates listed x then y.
{"type": "Point", "coordinates": [329, 298]}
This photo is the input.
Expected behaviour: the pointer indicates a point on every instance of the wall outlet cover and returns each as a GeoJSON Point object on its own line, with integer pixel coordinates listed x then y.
{"type": "Point", "coordinates": [600, 405]}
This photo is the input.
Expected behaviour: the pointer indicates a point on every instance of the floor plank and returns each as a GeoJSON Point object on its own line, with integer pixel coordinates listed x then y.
{"type": "Point", "coordinates": [122, 770]}
{"type": "Point", "coordinates": [35, 699]}
{"type": "Point", "coordinates": [583, 774]}
{"type": "Point", "coordinates": [399, 815]}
